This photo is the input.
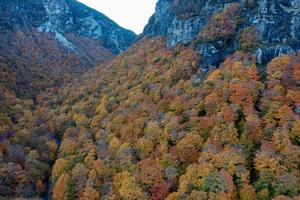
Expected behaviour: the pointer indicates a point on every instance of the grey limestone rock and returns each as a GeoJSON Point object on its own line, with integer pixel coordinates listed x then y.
{"type": "Point", "coordinates": [62, 17]}
{"type": "Point", "coordinates": [277, 21]}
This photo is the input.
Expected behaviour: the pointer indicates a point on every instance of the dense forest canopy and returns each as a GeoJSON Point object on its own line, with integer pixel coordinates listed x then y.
{"type": "Point", "coordinates": [154, 122]}
{"type": "Point", "coordinates": [145, 126]}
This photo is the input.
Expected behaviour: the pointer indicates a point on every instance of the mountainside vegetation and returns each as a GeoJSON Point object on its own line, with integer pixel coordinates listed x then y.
{"type": "Point", "coordinates": [205, 105]}
{"type": "Point", "coordinates": [47, 43]}
{"type": "Point", "coordinates": [33, 61]}
{"type": "Point", "coordinates": [151, 125]}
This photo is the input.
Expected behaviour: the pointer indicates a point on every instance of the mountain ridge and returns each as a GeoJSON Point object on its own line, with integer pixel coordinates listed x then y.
{"type": "Point", "coordinates": [55, 40]}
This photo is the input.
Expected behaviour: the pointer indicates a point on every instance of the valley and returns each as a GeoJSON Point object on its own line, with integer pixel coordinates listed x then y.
{"type": "Point", "coordinates": [203, 105]}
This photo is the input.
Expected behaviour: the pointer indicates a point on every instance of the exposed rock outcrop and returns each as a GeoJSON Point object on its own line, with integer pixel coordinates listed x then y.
{"type": "Point", "coordinates": [62, 17]}
{"type": "Point", "coordinates": [277, 23]}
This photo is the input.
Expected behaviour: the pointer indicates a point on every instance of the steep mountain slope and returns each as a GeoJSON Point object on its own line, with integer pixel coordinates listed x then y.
{"type": "Point", "coordinates": [273, 26]}
{"type": "Point", "coordinates": [43, 42]}
{"type": "Point", "coordinates": [144, 127]}
{"type": "Point", "coordinates": [152, 124]}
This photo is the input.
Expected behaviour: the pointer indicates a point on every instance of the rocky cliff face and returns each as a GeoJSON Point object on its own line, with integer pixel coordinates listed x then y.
{"type": "Point", "coordinates": [63, 17]}
{"type": "Point", "coordinates": [276, 24]}
{"type": "Point", "coordinates": [44, 42]}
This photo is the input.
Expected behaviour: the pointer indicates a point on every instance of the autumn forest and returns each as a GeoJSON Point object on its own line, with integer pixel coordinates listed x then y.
{"type": "Point", "coordinates": [151, 124]}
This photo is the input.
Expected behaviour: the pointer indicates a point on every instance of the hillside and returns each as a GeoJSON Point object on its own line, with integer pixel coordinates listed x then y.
{"type": "Point", "coordinates": [157, 122]}
{"type": "Point", "coordinates": [144, 127]}
{"type": "Point", "coordinates": [48, 43]}
{"type": "Point", "coordinates": [44, 43]}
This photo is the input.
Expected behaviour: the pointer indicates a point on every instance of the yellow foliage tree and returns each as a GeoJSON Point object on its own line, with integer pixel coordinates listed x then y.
{"type": "Point", "coordinates": [59, 167]}
{"type": "Point", "coordinates": [247, 192]}
{"type": "Point", "coordinates": [60, 190]}
{"type": "Point", "coordinates": [145, 147]}
{"type": "Point", "coordinates": [127, 186]}
{"type": "Point", "coordinates": [90, 194]}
